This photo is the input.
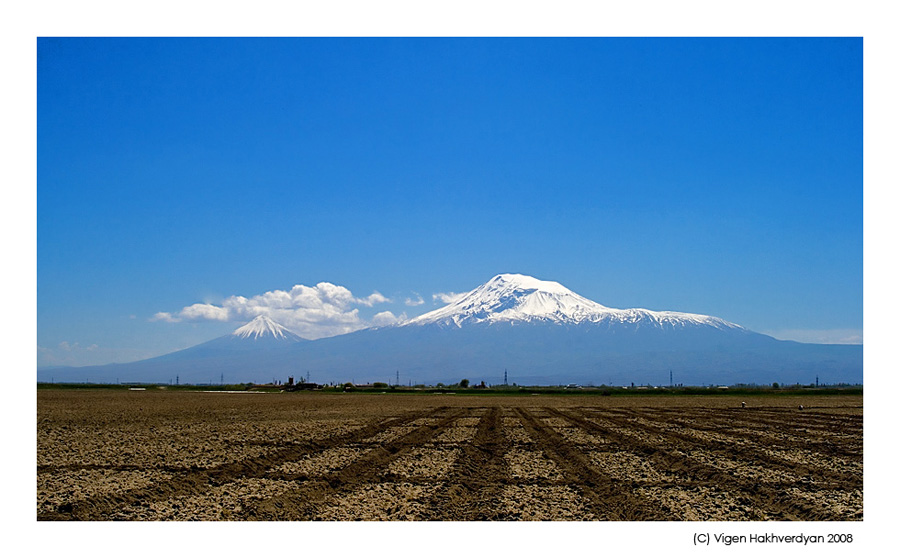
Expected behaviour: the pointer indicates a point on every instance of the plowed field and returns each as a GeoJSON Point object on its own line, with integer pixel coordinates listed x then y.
{"type": "Point", "coordinates": [166, 455]}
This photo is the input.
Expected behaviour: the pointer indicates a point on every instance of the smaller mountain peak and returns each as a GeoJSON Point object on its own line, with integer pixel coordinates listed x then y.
{"type": "Point", "coordinates": [262, 326]}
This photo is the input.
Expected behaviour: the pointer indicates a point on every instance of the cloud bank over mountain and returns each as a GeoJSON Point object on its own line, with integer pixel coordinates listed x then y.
{"type": "Point", "coordinates": [324, 310]}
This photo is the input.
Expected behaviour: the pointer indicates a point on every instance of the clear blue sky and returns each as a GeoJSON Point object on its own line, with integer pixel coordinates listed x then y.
{"type": "Point", "coordinates": [716, 176]}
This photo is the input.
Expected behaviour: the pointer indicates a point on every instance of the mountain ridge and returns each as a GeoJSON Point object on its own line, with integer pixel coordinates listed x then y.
{"type": "Point", "coordinates": [512, 297]}
{"type": "Point", "coordinates": [539, 330]}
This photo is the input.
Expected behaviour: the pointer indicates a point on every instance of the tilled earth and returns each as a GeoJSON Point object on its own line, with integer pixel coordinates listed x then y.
{"type": "Point", "coordinates": [167, 455]}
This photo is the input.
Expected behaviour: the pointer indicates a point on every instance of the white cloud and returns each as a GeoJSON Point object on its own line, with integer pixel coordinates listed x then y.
{"type": "Point", "coordinates": [197, 312]}
{"type": "Point", "coordinates": [418, 301]}
{"type": "Point", "coordinates": [387, 318]}
{"type": "Point", "coordinates": [372, 299]}
{"type": "Point", "coordinates": [447, 298]}
{"type": "Point", "coordinates": [312, 312]}
{"type": "Point", "coordinates": [164, 317]}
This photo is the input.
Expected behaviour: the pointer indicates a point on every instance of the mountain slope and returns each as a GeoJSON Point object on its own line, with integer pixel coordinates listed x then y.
{"type": "Point", "coordinates": [515, 298]}
{"type": "Point", "coordinates": [549, 354]}
{"type": "Point", "coordinates": [542, 332]}
{"type": "Point", "coordinates": [539, 331]}
{"type": "Point", "coordinates": [240, 356]}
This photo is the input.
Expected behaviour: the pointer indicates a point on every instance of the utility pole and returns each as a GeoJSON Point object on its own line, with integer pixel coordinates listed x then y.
{"type": "Point", "coordinates": [670, 379]}
{"type": "Point", "coordinates": [505, 378]}
{"type": "Point", "coordinates": [397, 381]}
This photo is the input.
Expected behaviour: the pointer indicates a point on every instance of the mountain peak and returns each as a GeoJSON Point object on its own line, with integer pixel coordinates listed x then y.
{"type": "Point", "coordinates": [516, 298]}
{"type": "Point", "coordinates": [262, 326]}
{"type": "Point", "coordinates": [512, 297]}
{"type": "Point", "coordinates": [525, 282]}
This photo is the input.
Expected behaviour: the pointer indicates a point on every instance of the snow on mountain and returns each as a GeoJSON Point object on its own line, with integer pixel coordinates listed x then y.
{"type": "Point", "coordinates": [520, 298]}
{"type": "Point", "coordinates": [261, 327]}
{"type": "Point", "coordinates": [540, 331]}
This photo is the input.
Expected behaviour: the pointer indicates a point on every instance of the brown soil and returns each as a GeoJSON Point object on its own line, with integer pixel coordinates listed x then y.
{"type": "Point", "coordinates": [165, 455]}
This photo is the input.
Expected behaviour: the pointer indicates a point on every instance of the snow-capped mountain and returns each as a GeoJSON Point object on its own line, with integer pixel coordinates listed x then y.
{"type": "Point", "coordinates": [548, 334]}
{"type": "Point", "coordinates": [539, 331]}
{"type": "Point", "coordinates": [263, 326]}
{"type": "Point", "coordinates": [259, 333]}
{"type": "Point", "coordinates": [252, 352]}
{"type": "Point", "coordinates": [518, 298]}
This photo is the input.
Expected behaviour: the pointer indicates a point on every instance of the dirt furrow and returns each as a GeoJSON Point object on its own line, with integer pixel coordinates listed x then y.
{"type": "Point", "coordinates": [608, 498]}
{"type": "Point", "coordinates": [473, 489]}
{"type": "Point", "coordinates": [45, 469]}
{"type": "Point", "coordinates": [751, 451]}
{"type": "Point", "coordinates": [178, 456]}
{"type": "Point", "coordinates": [201, 480]}
{"type": "Point", "coordinates": [305, 502]}
{"type": "Point", "coordinates": [809, 417]}
{"type": "Point", "coordinates": [839, 429]}
{"type": "Point", "coordinates": [771, 434]}
{"type": "Point", "coordinates": [761, 500]}
{"type": "Point", "coordinates": [762, 417]}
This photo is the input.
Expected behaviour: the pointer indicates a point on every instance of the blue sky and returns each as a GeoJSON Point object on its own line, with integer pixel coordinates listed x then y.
{"type": "Point", "coordinates": [717, 176]}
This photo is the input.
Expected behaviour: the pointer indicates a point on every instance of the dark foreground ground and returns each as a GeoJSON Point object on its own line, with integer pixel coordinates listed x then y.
{"type": "Point", "coordinates": [165, 455]}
